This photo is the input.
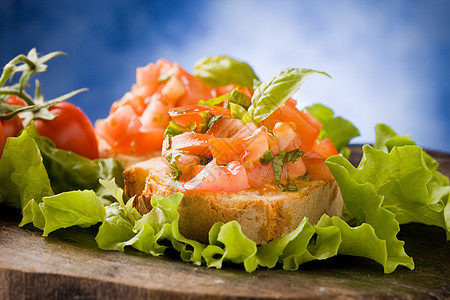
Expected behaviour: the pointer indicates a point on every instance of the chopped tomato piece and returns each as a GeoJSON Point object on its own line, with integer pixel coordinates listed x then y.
{"type": "Point", "coordinates": [233, 178]}
{"type": "Point", "coordinates": [225, 150]}
{"type": "Point", "coordinates": [156, 114]}
{"type": "Point", "coordinates": [135, 102]}
{"type": "Point", "coordinates": [295, 169]}
{"type": "Point", "coordinates": [121, 125]}
{"type": "Point", "coordinates": [195, 89]}
{"type": "Point", "coordinates": [147, 141]}
{"type": "Point", "coordinates": [316, 167]}
{"type": "Point", "coordinates": [325, 148]}
{"type": "Point", "coordinates": [307, 130]}
{"type": "Point", "coordinates": [261, 174]}
{"type": "Point", "coordinates": [185, 115]}
{"type": "Point", "coordinates": [284, 133]}
{"type": "Point", "coordinates": [226, 128]}
{"type": "Point", "coordinates": [255, 146]}
{"type": "Point", "coordinates": [148, 76]}
{"type": "Point", "coordinates": [248, 150]}
{"type": "Point", "coordinates": [192, 142]}
{"type": "Point", "coordinates": [173, 89]}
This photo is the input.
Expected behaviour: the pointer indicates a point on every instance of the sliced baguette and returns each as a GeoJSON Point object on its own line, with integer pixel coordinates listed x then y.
{"type": "Point", "coordinates": [264, 214]}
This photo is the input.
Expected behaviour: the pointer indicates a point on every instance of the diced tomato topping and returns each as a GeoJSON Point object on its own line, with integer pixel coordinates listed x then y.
{"type": "Point", "coordinates": [192, 142]}
{"type": "Point", "coordinates": [261, 174]}
{"type": "Point", "coordinates": [137, 122]}
{"type": "Point", "coordinates": [232, 178]}
{"type": "Point", "coordinates": [315, 159]}
{"type": "Point", "coordinates": [316, 167]}
{"type": "Point", "coordinates": [307, 130]}
{"type": "Point", "coordinates": [148, 141]}
{"type": "Point", "coordinates": [255, 146]}
{"type": "Point", "coordinates": [185, 115]}
{"type": "Point", "coordinates": [226, 128]}
{"type": "Point", "coordinates": [325, 148]}
{"type": "Point", "coordinates": [247, 150]}
{"type": "Point", "coordinates": [195, 89]}
{"type": "Point", "coordinates": [284, 133]}
{"type": "Point", "coordinates": [295, 169]}
{"type": "Point", "coordinates": [156, 114]}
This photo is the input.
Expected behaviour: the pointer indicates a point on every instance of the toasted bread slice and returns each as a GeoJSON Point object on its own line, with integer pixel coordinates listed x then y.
{"type": "Point", "coordinates": [264, 214]}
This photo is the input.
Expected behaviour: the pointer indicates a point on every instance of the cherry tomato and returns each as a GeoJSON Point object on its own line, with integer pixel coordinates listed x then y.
{"type": "Point", "coordinates": [12, 127]}
{"type": "Point", "coordinates": [2, 139]}
{"type": "Point", "coordinates": [71, 130]}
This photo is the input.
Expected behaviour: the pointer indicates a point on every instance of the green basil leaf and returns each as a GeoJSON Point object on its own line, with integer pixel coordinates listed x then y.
{"type": "Point", "coordinates": [277, 166]}
{"type": "Point", "coordinates": [293, 155]}
{"type": "Point", "coordinates": [267, 157]}
{"type": "Point", "coordinates": [171, 157]}
{"type": "Point", "coordinates": [174, 129]}
{"type": "Point", "coordinates": [272, 93]}
{"type": "Point", "coordinates": [218, 71]}
{"type": "Point", "coordinates": [214, 101]}
{"type": "Point", "coordinates": [237, 111]}
{"type": "Point", "coordinates": [241, 99]}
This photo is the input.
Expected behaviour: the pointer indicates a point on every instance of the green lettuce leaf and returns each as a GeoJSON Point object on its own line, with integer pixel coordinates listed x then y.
{"type": "Point", "coordinates": [69, 171]}
{"type": "Point", "coordinates": [399, 182]}
{"type": "Point", "coordinates": [337, 129]}
{"type": "Point", "coordinates": [272, 93]}
{"type": "Point", "coordinates": [73, 208]}
{"type": "Point", "coordinates": [29, 185]}
{"type": "Point", "coordinates": [22, 172]}
{"type": "Point", "coordinates": [219, 71]}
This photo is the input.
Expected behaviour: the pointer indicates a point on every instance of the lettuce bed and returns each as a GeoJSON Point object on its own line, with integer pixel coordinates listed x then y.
{"type": "Point", "coordinates": [395, 183]}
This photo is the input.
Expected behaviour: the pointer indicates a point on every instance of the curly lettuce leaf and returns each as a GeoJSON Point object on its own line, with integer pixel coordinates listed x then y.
{"type": "Point", "coordinates": [399, 182]}
{"type": "Point", "coordinates": [227, 244]}
{"type": "Point", "coordinates": [22, 172]}
{"type": "Point", "coordinates": [69, 171]}
{"type": "Point", "coordinates": [29, 186]}
{"type": "Point", "coordinates": [339, 130]}
{"type": "Point", "coordinates": [73, 208]}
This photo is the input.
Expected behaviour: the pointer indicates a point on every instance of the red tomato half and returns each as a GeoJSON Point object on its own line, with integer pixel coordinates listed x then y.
{"type": "Point", "coordinates": [71, 130]}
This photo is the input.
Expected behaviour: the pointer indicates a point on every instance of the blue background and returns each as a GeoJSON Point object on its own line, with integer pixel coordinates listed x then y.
{"type": "Point", "coordinates": [389, 60]}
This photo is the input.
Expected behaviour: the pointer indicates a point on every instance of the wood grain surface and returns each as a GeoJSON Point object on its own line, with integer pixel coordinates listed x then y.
{"type": "Point", "coordinates": [69, 265]}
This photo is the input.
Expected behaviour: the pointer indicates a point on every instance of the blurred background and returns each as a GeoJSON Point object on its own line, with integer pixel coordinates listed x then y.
{"type": "Point", "coordinates": [389, 60]}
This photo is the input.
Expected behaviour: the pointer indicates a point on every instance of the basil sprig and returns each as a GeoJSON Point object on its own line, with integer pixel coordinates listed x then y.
{"type": "Point", "coordinates": [272, 93]}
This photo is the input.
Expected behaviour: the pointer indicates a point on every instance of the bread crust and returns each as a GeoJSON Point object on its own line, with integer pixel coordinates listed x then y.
{"type": "Point", "coordinates": [264, 214]}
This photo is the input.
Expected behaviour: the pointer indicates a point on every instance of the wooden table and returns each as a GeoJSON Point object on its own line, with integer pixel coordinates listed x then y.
{"type": "Point", "coordinates": [68, 265]}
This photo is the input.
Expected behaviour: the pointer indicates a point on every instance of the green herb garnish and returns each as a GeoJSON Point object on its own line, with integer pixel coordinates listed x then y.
{"type": "Point", "coordinates": [278, 162]}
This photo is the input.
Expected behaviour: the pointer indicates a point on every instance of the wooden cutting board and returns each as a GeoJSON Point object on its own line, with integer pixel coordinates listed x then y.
{"type": "Point", "coordinates": [68, 265]}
